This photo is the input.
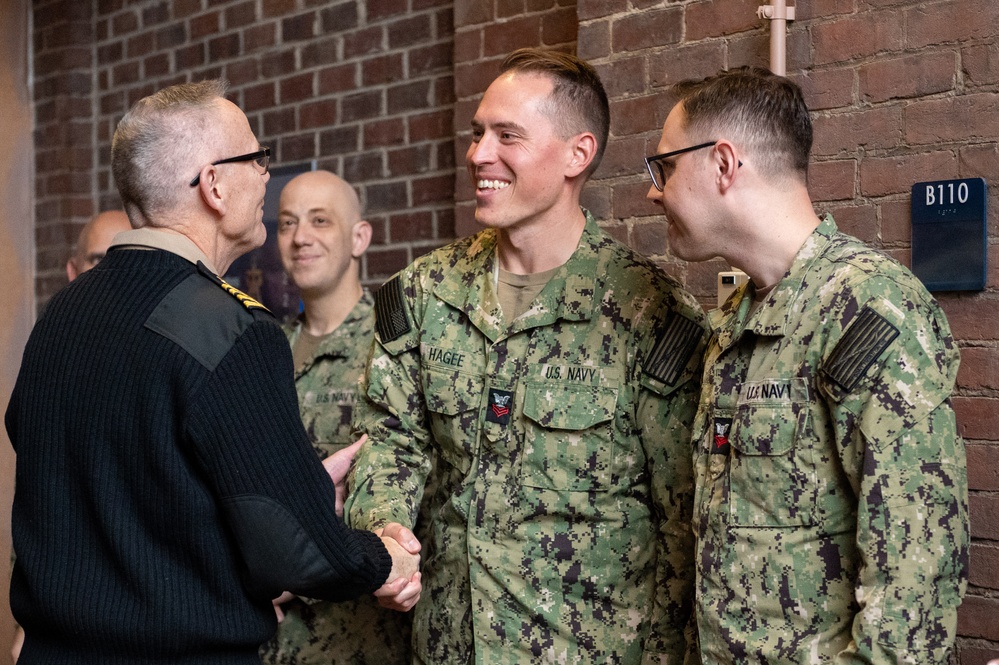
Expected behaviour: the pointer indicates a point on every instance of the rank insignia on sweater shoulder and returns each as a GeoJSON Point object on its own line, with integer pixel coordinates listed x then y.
{"type": "Point", "coordinates": [245, 300]}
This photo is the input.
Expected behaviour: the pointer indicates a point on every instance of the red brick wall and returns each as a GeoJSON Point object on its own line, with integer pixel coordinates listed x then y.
{"type": "Point", "coordinates": [65, 149]}
{"type": "Point", "coordinates": [901, 91]}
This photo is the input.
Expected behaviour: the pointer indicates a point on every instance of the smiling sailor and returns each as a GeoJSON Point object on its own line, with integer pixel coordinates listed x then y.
{"type": "Point", "coordinates": [537, 380]}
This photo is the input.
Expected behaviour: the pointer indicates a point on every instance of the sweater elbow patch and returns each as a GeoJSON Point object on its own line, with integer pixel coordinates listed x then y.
{"type": "Point", "coordinates": [278, 552]}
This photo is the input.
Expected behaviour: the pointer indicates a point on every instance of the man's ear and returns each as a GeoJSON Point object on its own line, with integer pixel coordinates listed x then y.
{"type": "Point", "coordinates": [72, 272]}
{"type": "Point", "coordinates": [360, 238]}
{"type": "Point", "coordinates": [727, 163]}
{"type": "Point", "coordinates": [210, 189]}
{"type": "Point", "coordinates": [584, 149]}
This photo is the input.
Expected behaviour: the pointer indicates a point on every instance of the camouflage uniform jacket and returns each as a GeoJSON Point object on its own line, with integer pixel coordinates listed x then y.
{"type": "Point", "coordinates": [831, 500]}
{"type": "Point", "coordinates": [358, 631]}
{"type": "Point", "coordinates": [558, 449]}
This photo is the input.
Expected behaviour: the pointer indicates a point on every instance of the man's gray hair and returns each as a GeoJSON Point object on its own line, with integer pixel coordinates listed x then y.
{"type": "Point", "coordinates": [156, 148]}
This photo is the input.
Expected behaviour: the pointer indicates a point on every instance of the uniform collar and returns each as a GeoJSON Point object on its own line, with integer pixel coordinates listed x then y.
{"type": "Point", "coordinates": [772, 317]}
{"type": "Point", "coordinates": [339, 343]}
{"type": "Point", "coordinates": [470, 286]}
{"type": "Point", "coordinates": [174, 243]}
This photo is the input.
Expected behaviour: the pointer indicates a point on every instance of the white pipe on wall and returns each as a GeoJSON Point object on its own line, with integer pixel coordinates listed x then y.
{"type": "Point", "coordinates": [779, 14]}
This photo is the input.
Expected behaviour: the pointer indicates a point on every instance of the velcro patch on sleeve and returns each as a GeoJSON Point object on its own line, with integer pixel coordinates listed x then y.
{"type": "Point", "coordinates": [673, 349]}
{"type": "Point", "coordinates": [866, 338]}
{"type": "Point", "coordinates": [391, 319]}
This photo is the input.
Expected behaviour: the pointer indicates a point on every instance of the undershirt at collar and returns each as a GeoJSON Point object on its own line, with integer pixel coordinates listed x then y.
{"type": "Point", "coordinates": [517, 292]}
{"type": "Point", "coordinates": [305, 347]}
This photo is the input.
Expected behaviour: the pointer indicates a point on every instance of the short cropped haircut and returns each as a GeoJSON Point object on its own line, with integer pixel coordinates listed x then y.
{"type": "Point", "coordinates": [578, 100]}
{"type": "Point", "coordinates": [763, 111]}
{"type": "Point", "coordinates": [154, 149]}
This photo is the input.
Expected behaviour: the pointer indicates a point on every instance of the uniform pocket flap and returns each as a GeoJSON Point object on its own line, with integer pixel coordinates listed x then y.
{"type": "Point", "coordinates": [570, 407]}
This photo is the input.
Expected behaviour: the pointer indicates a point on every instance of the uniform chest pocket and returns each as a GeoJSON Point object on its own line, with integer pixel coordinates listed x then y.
{"type": "Point", "coordinates": [453, 400]}
{"type": "Point", "coordinates": [772, 476]}
{"type": "Point", "coordinates": [568, 437]}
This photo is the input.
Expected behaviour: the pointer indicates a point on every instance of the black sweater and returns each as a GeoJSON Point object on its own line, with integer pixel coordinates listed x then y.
{"type": "Point", "coordinates": [165, 487]}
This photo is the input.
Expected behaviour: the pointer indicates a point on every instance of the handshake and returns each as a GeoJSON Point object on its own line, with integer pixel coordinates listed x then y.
{"type": "Point", "coordinates": [402, 589]}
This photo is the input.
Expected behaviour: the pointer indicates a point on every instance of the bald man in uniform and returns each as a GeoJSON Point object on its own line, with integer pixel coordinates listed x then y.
{"type": "Point", "coordinates": [321, 238]}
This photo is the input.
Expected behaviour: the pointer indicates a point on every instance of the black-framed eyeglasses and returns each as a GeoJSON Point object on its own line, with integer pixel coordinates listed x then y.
{"type": "Point", "coordinates": [262, 157]}
{"type": "Point", "coordinates": [664, 169]}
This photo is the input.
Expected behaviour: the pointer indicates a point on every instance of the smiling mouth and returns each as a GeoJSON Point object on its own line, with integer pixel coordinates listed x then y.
{"type": "Point", "coordinates": [492, 184]}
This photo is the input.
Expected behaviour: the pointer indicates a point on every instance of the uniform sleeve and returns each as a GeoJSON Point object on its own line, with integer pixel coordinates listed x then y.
{"type": "Point", "coordinates": [387, 481]}
{"type": "Point", "coordinates": [245, 432]}
{"type": "Point", "coordinates": [887, 382]}
{"type": "Point", "coordinates": [666, 408]}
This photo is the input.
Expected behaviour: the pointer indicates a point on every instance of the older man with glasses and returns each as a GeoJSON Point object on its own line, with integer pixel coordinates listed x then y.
{"type": "Point", "coordinates": [166, 488]}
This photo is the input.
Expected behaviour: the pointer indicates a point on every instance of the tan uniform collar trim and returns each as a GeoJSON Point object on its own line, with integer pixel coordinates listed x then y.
{"type": "Point", "coordinates": [174, 243]}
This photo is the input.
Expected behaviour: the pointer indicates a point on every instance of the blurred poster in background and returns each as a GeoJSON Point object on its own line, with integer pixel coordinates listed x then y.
{"type": "Point", "coordinates": [259, 273]}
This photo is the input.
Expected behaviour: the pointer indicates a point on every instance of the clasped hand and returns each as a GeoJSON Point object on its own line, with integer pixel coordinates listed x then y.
{"type": "Point", "coordinates": [402, 589]}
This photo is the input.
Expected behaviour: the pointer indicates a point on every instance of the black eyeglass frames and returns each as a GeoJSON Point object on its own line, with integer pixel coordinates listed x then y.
{"type": "Point", "coordinates": [262, 157]}
{"type": "Point", "coordinates": [660, 179]}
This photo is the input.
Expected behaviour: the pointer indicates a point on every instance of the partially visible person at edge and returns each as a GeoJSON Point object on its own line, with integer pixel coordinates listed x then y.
{"type": "Point", "coordinates": [321, 238]}
{"type": "Point", "coordinates": [542, 378]}
{"type": "Point", "coordinates": [831, 508]}
{"type": "Point", "coordinates": [94, 239]}
{"type": "Point", "coordinates": [166, 490]}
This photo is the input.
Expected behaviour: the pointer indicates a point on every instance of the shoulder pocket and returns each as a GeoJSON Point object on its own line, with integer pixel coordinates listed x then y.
{"type": "Point", "coordinates": [862, 343]}
{"type": "Point", "coordinates": [676, 356]}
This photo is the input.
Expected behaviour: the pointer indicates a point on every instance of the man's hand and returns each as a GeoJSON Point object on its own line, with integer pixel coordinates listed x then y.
{"type": "Point", "coordinates": [337, 465]}
{"type": "Point", "coordinates": [402, 589]}
{"type": "Point", "coordinates": [279, 601]}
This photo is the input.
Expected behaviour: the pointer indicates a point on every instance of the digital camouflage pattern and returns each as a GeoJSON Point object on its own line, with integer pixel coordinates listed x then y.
{"type": "Point", "coordinates": [559, 451]}
{"type": "Point", "coordinates": [831, 509]}
{"type": "Point", "coordinates": [358, 632]}
{"type": "Point", "coordinates": [327, 384]}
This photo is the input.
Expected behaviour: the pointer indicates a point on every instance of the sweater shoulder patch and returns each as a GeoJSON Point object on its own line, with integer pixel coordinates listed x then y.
{"type": "Point", "coordinates": [202, 319]}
